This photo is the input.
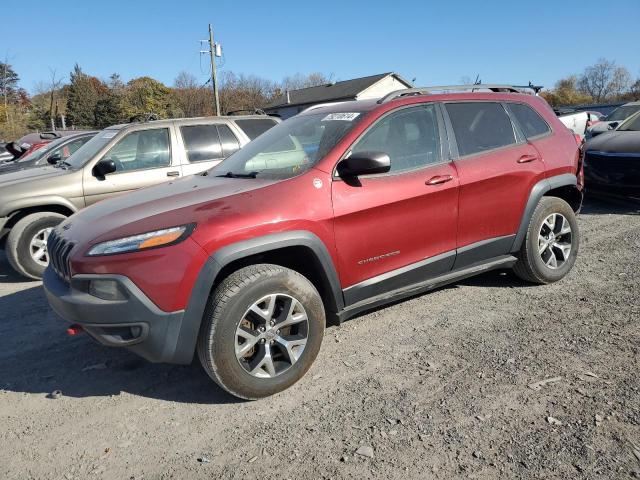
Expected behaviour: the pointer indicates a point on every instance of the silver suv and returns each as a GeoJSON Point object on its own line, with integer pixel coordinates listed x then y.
{"type": "Point", "coordinates": [117, 160]}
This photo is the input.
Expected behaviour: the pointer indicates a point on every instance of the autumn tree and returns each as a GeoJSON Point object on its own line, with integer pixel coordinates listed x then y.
{"type": "Point", "coordinates": [83, 96]}
{"type": "Point", "coordinates": [145, 95]}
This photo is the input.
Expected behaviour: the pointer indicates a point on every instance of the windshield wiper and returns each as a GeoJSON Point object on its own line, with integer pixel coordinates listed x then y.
{"type": "Point", "coordinates": [239, 175]}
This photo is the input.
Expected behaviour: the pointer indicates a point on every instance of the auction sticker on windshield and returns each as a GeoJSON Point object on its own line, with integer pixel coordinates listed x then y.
{"type": "Point", "coordinates": [341, 116]}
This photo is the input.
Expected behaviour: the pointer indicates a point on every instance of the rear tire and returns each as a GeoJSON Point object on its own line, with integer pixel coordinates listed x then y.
{"type": "Point", "coordinates": [26, 243]}
{"type": "Point", "coordinates": [551, 246]}
{"type": "Point", "coordinates": [261, 331]}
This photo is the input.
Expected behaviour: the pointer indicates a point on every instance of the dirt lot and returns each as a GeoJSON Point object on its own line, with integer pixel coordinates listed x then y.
{"type": "Point", "coordinates": [437, 386]}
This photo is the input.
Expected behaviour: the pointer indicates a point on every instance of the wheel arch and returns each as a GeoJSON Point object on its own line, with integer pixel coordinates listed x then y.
{"type": "Point", "coordinates": [299, 250]}
{"type": "Point", "coordinates": [564, 186]}
{"type": "Point", "coordinates": [15, 215]}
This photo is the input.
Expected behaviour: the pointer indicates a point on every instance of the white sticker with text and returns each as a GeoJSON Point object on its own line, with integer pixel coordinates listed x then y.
{"type": "Point", "coordinates": [341, 116]}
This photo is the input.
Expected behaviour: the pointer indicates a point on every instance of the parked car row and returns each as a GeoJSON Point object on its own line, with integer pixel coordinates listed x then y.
{"type": "Point", "coordinates": [13, 151]}
{"type": "Point", "coordinates": [334, 211]}
{"type": "Point", "coordinates": [614, 119]}
{"type": "Point", "coordinates": [88, 167]}
{"type": "Point", "coordinates": [48, 153]}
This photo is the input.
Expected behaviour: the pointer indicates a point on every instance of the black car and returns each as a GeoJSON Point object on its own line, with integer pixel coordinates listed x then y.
{"type": "Point", "coordinates": [612, 161]}
{"type": "Point", "coordinates": [55, 151]}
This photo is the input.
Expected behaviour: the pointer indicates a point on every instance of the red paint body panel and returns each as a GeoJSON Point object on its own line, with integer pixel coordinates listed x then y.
{"type": "Point", "coordinates": [494, 189]}
{"type": "Point", "coordinates": [389, 214]}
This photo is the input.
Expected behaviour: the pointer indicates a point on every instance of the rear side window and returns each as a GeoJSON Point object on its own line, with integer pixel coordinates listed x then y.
{"type": "Point", "coordinates": [530, 121]}
{"type": "Point", "coordinates": [202, 142]}
{"type": "Point", "coordinates": [480, 126]}
{"type": "Point", "coordinates": [229, 141]}
{"type": "Point", "coordinates": [254, 127]}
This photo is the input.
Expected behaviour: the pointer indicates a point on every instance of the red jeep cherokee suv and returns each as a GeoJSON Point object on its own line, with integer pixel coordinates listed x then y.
{"type": "Point", "coordinates": [335, 211]}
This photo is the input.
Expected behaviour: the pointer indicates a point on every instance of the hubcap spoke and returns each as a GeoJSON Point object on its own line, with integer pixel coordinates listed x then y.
{"type": "Point", "coordinates": [250, 340]}
{"type": "Point", "coordinates": [293, 347]}
{"type": "Point", "coordinates": [262, 364]}
{"type": "Point", "coordinates": [272, 335]}
{"type": "Point", "coordinates": [564, 249]}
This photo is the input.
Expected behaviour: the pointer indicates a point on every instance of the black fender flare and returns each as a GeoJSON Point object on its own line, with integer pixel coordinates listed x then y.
{"type": "Point", "coordinates": [537, 192]}
{"type": "Point", "coordinates": [207, 277]}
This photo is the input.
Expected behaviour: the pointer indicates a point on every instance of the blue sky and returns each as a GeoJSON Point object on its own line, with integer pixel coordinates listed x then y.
{"type": "Point", "coordinates": [434, 42]}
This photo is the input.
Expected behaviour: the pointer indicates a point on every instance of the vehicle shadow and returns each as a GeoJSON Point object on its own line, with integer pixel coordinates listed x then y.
{"type": "Point", "coordinates": [8, 274]}
{"type": "Point", "coordinates": [594, 205]}
{"type": "Point", "coordinates": [37, 356]}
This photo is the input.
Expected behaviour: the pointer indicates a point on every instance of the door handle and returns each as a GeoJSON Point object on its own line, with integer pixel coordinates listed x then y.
{"type": "Point", "coordinates": [439, 179]}
{"type": "Point", "coordinates": [173, 174]}
{"type": "Point", "coordinates": [527, 158]}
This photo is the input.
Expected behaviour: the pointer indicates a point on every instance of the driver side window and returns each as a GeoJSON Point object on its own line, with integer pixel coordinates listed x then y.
{"type": "Point", "coordinates": [141, 150]}
{"type": "Point", "coordinates": [409, 136]}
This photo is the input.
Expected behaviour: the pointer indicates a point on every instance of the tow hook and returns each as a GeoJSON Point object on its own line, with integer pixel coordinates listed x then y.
{"type": "Point", "coordinates": [74, 329]}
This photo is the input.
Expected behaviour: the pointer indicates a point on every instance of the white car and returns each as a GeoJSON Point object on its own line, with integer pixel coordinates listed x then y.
{"type": "Point", "coordinates": [578, 121]}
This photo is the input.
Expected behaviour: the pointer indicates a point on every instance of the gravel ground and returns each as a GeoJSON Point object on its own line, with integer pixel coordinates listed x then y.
{"type": "Point", "coordinates": [437, 386]}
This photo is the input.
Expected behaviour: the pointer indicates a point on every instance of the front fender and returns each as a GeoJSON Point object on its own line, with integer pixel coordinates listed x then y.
{"type": "Point", "coordinates": [29, 202]}
{"type": "Point", "coordinates": [207, 277]}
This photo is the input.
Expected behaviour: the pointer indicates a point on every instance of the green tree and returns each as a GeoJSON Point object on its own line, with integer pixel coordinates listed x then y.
{"type": "Point", "coordinates": [83, 95]}
{"type": "Point", "coordinates": [109, 110]}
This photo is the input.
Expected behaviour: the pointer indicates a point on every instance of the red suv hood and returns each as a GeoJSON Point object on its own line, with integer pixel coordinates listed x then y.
{"type": "Point", "coordinates": [165, 205]}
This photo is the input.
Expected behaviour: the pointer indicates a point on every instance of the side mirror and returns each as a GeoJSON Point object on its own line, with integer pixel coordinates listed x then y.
{"type": "Point", "coordinates": [104, 167]}
{"type": "Point", "coordinates": [53, 159]}
{"type": "Point", "coordinates": [613, 125]}
{"type": "Point", "coordinates": [364, 163]}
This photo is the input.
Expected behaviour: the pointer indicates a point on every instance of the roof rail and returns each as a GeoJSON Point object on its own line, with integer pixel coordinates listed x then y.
{"type": "Point", "coordinates": [143, 117]}
{"type": "Point", "coordinates": [252, 111]}
{"type": "Point", "coordinates": [458, 88]}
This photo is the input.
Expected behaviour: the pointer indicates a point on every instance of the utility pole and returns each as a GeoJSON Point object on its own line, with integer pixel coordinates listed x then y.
{"type": "Point", "coordinates": [213, 52]}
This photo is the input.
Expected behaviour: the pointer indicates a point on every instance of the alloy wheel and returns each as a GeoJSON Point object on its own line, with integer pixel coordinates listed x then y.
{"type": "Point", "coordinates": [38, 246]}
{"type": "Point", "coordinates": [555, 240]}
{"type": "Point", "coordinates": [271, 335]}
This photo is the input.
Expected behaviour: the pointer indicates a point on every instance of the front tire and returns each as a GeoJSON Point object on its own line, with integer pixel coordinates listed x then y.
{"type": "Point", "coordinates": [261, 331]}
{"type": "Point", "coordinates": [551, 246]}
{"type": "Point", "coordinates": [26, 246]}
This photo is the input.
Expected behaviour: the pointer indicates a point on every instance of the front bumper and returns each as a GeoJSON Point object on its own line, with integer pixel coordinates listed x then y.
{"type": "Point", "coordinates": [135, 323]}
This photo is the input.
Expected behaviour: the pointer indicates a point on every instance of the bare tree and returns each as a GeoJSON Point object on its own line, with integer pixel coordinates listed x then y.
{"type": "Point", "coordinates": [604, 80]}
{"type": "Point", "coordinates": [194, 100]}
{"type": "Point", "coordinates": [298, 81]}
{"type": "Point", "coordinates": [244, 92]}
{"type": "Point", "coordinates": [54, 85]}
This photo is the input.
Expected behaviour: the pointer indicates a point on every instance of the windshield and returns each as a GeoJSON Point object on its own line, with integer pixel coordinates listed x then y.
{"type": "Point", "coordinates": [631, 124]}
{"type": "Point", "coordinates": [89, 149]}
{"type": "Point", "coordinates": [622, 113]}
{"type": "Point", "coordinates": [290, 148]}
{"type": "Point", "coordinates": [42, 151]}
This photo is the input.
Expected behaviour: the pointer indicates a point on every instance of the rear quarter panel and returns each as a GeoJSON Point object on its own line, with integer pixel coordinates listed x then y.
{"type": "Point", "coordinates": [559, 151]}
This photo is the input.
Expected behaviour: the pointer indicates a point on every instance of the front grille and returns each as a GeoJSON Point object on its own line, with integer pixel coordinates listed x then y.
{"type": "Point", "coordinates": [59, 250]}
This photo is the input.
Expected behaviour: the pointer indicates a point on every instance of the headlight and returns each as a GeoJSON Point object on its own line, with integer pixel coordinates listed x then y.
{"type": "Point", "coordinates": [143, 241]}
